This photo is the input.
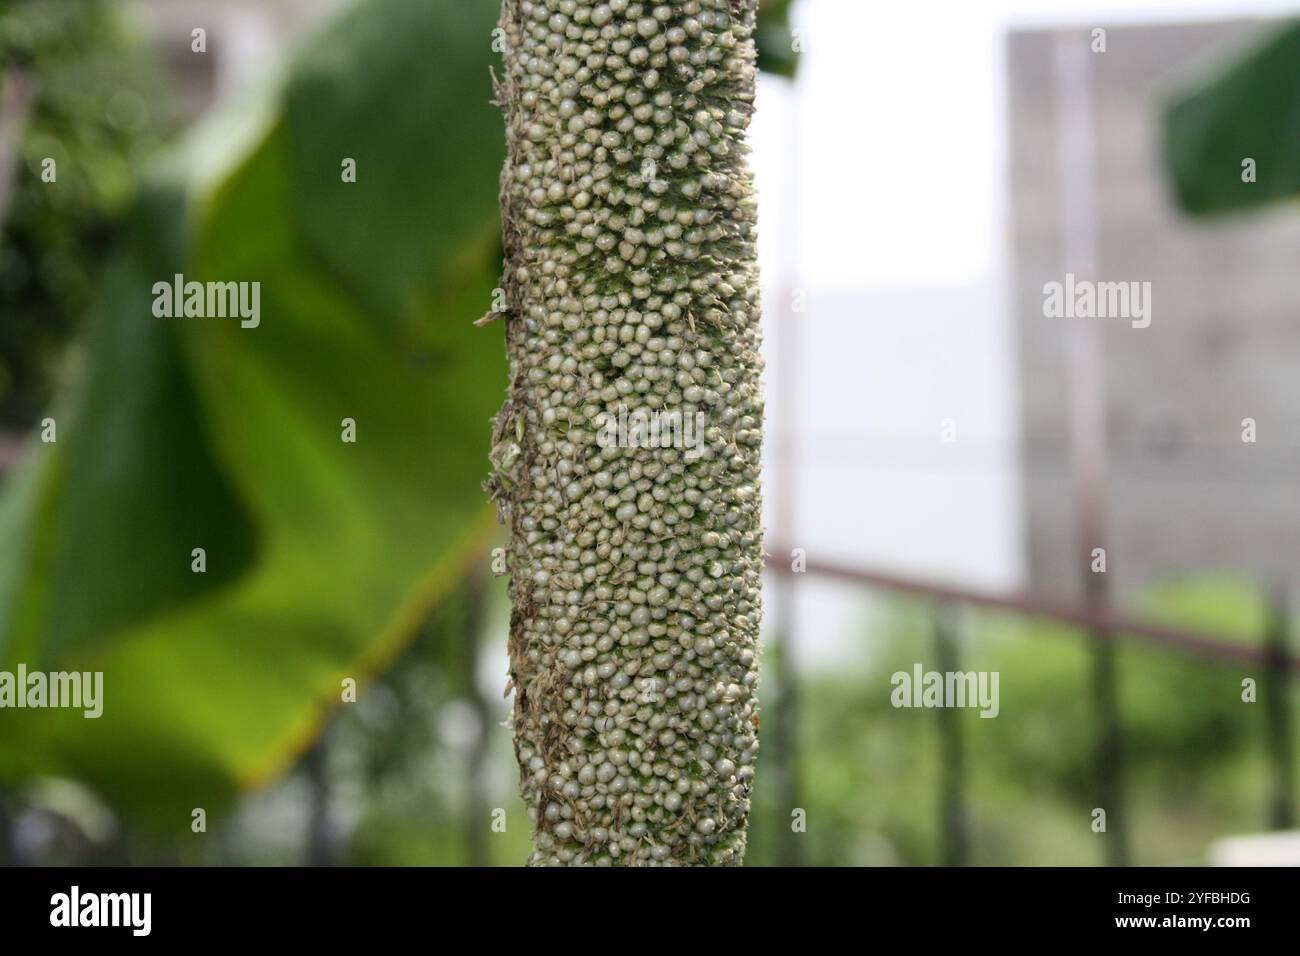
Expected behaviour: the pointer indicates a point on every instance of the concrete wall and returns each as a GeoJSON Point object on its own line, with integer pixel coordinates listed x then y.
{"type": "Point", "coordinates": [1185, 495]}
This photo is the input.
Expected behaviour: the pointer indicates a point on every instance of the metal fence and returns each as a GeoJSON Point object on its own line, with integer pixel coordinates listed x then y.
{"type": "Point", "coordinates": [1103, 628]}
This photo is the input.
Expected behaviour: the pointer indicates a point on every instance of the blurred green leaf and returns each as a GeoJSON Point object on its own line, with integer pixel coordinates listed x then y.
{"type": "Point", "coordinates": [776, 53]}
{"type": "Point", "coordinates": [322, 556]}
{"type": "Point", "coordinates": [1249, 111]}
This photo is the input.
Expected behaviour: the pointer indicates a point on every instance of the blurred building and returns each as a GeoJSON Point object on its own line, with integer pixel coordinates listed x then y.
{"type": "Point", "coordinates": [1185, 493]}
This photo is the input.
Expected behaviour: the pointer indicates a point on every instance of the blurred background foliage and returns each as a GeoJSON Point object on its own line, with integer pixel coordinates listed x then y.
{"type": "Point", "coordinates": [322, 556]}
{"type": "Point", "coordinates": [329, 560]}
{"type": "Point", "coordinates": [1196, 760]}
{"type": "Point", "coordinates": [89, 98]}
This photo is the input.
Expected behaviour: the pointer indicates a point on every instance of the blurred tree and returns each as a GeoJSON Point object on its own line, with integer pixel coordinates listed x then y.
{"type": "Point", "coordinates": [80, 112]}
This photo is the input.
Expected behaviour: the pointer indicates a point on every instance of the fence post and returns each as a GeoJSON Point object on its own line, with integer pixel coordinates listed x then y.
{"type": "Point", "coordinates": [1277, 713]}
{"type": "Point", "coordinates": [322, 849]}
{"type": "Point", "coordinates": [1109, 755]}
{"type": "Point", "coordinates": [8, 857]}
{"type": "Point", "coordinates": [952, 758]}
{"type": "Point", "coordinates": [1085, 367]}
{"type": "Point", "coordinates": [781, 741]}
{"type": "Point", "coordinates": [476, 762]}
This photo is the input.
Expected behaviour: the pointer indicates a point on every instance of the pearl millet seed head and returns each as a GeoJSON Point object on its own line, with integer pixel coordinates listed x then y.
{"type": "Point", "coordinates": [631, 285]}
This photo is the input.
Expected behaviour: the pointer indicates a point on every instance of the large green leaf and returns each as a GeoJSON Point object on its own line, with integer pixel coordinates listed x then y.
{"type": "Point", "coordinates": [1250, 111]}
{"type": "Point", "coordinates": [322, 555]}
{"type": "Point", "coordinates": [775, 39]}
